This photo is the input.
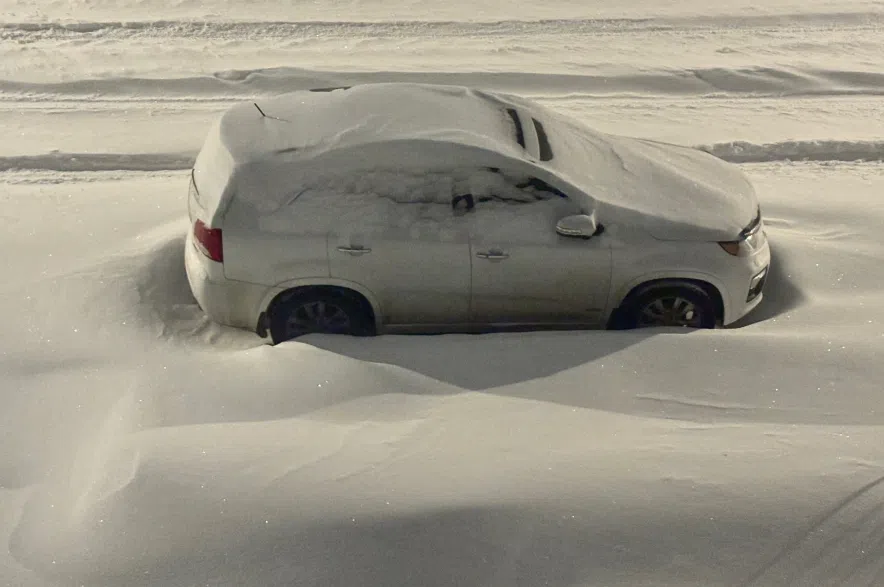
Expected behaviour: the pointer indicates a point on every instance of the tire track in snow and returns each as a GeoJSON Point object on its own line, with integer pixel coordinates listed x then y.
{"type": "Point", "coordinates": [95, 31]}
{"type": "Point", "coordinates": [734, 152]}
{"type": "Point", "coordinates": [98, 162]}
{"type": "Point", "coordinates": [845, 546]}
{"type": "Point", "coordinates": [751, 82]}
{"type": "Point", "coordinates": [744, 152]}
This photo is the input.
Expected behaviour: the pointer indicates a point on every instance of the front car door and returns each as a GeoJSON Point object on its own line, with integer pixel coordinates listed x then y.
{"type": "Point", "coordinates": [524, 273]}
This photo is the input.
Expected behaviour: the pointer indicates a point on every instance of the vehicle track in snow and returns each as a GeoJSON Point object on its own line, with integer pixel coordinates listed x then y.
{"type": "Point", "coordinates": [707, 83]}
{"type": "Point", "coordinates": [736, 152]}
{"type": "Point", "coordinates": [741, 115]}
{"type": "Point", "coordinates": [73, 49]}
{"type": "Point", "coordinates": [813, 76]}
{"type": "Point", "coordinates": [29, 32]}
{"type": "Point", "coordinates": [844, 546]}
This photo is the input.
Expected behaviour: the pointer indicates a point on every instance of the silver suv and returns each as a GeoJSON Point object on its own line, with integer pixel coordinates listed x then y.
{"type": "Point", "coordinates": [411, 207]}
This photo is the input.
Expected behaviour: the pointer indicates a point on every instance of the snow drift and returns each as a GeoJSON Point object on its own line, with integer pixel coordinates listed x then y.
{"type": "Point", "coordinates": [143, 445]}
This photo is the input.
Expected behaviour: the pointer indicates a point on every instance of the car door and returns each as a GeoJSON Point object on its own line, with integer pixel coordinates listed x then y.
{"type": "Point", "coordinates": [523, 272]}
{"type": "Point", "coordinates": [414, 257]}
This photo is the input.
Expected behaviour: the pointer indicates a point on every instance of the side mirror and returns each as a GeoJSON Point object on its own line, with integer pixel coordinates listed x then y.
{"type": "Point", "coordinates": [578, 225]}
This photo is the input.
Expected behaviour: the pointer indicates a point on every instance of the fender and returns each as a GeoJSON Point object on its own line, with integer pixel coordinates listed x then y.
{"type": "Point", "coordinates": [277, 289]}
{"type": "Point", "coordinates": [623, 290]}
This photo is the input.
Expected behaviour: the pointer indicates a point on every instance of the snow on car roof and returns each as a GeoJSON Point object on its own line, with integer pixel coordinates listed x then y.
{"type": "Point", "coordinates": [306, 123]}
{"type": "Point", "coordinates": [658, 185]}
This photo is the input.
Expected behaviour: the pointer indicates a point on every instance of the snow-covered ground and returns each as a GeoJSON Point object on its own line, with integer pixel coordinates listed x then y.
{"type": "Point", "coordinates": [142, 445]}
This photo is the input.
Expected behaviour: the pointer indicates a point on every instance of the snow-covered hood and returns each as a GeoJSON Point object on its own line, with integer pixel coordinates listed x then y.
{"type": "Point", "coordinates": [673, 192]}
{"type": "Point", "coordinates": [687, 194]}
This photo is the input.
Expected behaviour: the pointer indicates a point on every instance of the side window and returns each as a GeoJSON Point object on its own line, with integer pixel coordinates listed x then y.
{"type": "Point", "coordinates": [514, 208]}
{"type": "Point", "coordinates": [423, 203]}
{"type": "Point", "coordinates": [405, 203]}
{"type": "Point", "coordinates": [495, 185]}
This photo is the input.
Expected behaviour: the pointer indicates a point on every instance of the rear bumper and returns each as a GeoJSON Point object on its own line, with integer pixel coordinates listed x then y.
{"type": "Point", "coordinates": [228, 302]}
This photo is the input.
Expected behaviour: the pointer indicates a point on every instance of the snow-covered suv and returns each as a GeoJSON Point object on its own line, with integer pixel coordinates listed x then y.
{"type": "Point", "coordinates": [411, 207]}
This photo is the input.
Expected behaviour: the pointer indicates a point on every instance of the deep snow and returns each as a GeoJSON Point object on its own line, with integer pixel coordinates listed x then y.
{"type": "Point", "coordinates": [142, 445]}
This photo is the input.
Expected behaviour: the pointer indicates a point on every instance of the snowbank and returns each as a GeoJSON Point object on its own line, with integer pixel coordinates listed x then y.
{"type": "Point", "coordinates": [143, 445]}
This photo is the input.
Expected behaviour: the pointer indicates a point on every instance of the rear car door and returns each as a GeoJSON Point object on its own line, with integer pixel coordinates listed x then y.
{"type": "Point", "coordinates": [414, 257]}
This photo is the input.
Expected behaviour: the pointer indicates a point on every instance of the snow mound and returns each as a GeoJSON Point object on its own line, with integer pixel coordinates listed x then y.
{"type": "Point", "coordinates": [821, 150]}
{"type": "Point", "coordinates": [98, 162]}
{"type": "Point", "coordinates": [718, 82]}
{"type": "Point", "coordinates": [849, 533]}
{"type": "Point", "coordinates": [732, 151]}
{"type": "Point", "coordinates": [494, 460]}
{"type": "Point", "coordinates": [135, 30]}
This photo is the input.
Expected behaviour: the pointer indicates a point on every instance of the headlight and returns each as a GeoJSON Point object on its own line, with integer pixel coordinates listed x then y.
{"type": "Point", "coordinates": [757, 238]}
{"type": "Point", "coordinates": [751, 239]}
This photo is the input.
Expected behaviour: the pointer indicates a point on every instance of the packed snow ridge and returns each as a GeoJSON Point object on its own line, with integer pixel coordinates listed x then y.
{"type": "Point", "coordinates": [712, 83]}
{"type": "Point", "coordinates": [734, 152]}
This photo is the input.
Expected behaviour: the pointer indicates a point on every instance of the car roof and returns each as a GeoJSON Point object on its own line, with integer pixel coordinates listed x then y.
{"type": "Point", "coordinates": [644, 182]}
{"type": "Point", "coordinates": [304, 124]}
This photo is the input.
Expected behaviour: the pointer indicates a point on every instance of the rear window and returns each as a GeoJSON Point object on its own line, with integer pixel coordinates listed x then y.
{"type": "Point", "coordinates": [211, 172]}
{"type": "Point", "coordinates": [194, 193]}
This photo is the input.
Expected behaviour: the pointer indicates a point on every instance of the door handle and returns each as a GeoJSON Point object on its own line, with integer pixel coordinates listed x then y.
{"type": "Point", "coordinates": [493, 255]}
{"type": "Point", "coordinates": [355, 251]}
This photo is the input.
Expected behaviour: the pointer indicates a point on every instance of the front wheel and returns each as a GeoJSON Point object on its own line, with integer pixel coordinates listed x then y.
{"type": "Point", "coordinates": [684, 305]}
{"type": "Point", "coordinates": [319, 313]}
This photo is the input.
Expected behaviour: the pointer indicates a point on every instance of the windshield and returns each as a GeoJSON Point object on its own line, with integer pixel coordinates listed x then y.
{"type": "Point", "coordinates": [211, 172]}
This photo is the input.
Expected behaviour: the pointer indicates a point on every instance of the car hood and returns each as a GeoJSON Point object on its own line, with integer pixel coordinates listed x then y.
{"type": "Point", "coordinates": [683, 193]}
{"type": "Point", "coordinates": [673, 192]}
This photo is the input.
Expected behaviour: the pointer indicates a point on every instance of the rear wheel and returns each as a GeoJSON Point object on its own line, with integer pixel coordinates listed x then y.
{"type": "Point", "coordinates": [318, 313]}
{"type": "Point", "coordinates": [684, 305]}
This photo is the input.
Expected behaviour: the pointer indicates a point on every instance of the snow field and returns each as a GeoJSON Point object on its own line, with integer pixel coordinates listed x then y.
{"type": "Point", "coordinates": [143, 445]}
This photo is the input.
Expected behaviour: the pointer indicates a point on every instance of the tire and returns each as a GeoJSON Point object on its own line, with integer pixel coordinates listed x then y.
{"type": "Point", "coordinates": [678, 305]}
{"type": "Point", "coordinates": [319, 312]}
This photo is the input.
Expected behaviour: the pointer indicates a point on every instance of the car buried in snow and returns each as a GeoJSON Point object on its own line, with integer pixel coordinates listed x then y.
{"type": "Point", "coordinates": [397, 207]}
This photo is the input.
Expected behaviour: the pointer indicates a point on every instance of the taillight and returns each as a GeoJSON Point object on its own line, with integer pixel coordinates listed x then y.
{"type": "Point", "coordinates": [208, 240]}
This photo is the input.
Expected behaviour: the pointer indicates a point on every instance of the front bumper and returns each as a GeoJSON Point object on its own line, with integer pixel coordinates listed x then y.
{"type": "Point", "coordinates": [747, 288]}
